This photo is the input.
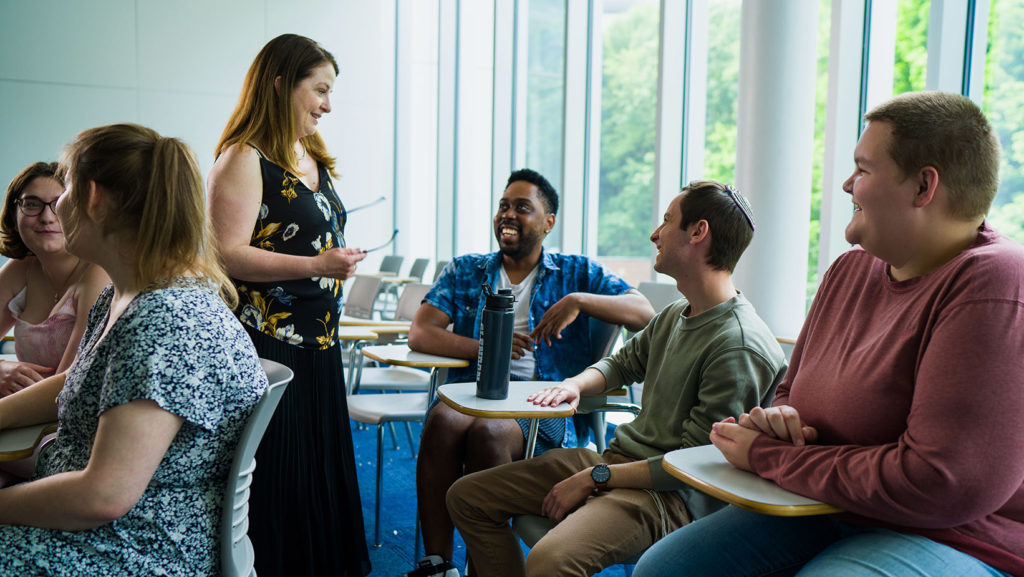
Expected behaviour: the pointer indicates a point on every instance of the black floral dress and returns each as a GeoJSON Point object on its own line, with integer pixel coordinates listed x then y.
{"type": "Point", "coordinates": [305, 514]}
{"type": "Point", "coordinates": [295, 220]}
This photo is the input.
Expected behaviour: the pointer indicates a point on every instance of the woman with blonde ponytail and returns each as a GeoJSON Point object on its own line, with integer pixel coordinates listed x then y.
{"type": "Point", "coordinates": [280, 226]}
{"type": "Point", "coordinates": [152, 408]}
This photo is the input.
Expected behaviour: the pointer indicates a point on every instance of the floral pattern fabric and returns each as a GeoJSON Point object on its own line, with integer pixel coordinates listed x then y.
{"type": "Point", "coordinates": [182, 348]}
{"type": "Point", "coordinates": [295, 220]}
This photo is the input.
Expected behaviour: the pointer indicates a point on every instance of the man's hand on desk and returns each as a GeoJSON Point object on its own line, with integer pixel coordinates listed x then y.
{"type": "Point", "coordinates": [734, 437]}
{"type": "Point", "coordinates": [568, 391]}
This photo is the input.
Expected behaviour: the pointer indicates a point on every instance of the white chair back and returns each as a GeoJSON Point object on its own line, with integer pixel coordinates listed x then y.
{"type": "Point", "coordinates": [236, 552]}
{"type": "Point", "coordinates": [391, 263]}
{"type": "Point", "coordinates": [438, 268]}
{"type": "Point", "coordinates": [362, 294]}
{"type": "Point", "coordinates": [409, 301]}
{"type": "Point", "coordinates": [419, 266]}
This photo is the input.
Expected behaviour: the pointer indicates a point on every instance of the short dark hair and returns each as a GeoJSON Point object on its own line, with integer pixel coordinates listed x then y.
{"type": "Point", "coordinates": [547, 192]}
{"type": "Point", "coordinates": [11, 244]}
{"type": "Point", "coordinates": [949, 132]}
{"type": "Point", "coordinates": [731, 231]}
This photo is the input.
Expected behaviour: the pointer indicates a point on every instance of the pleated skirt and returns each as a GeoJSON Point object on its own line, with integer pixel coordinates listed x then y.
{"type": "Point", "coordinates": [305, 516]}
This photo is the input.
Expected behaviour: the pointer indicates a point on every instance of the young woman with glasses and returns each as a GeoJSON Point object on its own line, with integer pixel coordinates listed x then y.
{"type": "Point", "coordinates": [45, 292]}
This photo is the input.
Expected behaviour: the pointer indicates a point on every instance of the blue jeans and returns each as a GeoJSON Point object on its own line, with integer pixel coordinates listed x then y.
{"type": "Point", "coordinates": [739, 543]}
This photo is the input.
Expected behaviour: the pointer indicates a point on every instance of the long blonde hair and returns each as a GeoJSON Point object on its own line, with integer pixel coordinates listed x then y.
{"type": "Point", "coordinates": [154, 200]}
{"type": "Point", "coordinates": [263, 116]}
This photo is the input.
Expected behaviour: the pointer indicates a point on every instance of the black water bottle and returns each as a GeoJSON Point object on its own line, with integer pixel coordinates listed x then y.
{"type": "Point", "coordinates": [495, 353]}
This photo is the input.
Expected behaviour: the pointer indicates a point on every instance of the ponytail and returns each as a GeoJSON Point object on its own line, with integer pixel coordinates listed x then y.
{"type": "Point", "coordinates": [153, 199]}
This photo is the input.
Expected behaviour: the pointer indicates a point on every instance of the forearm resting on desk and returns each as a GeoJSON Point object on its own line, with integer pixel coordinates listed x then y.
{"type": "Point", "coordinates": [32, 405]}
{"type": "Point", "coordinates": [131, 441]}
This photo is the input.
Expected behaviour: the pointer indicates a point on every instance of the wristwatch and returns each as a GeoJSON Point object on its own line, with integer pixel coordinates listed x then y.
{"type": "Point", "coordinates": [600, 474]}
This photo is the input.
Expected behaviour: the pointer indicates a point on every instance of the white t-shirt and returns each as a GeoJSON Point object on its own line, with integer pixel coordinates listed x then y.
{"type": "Point", "coordinates": [524, 366]}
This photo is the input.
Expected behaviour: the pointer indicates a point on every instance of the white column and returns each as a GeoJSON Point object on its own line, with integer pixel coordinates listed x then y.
{"type": "Point", "coordinates": [946, 46]}
{"type": "Point", "coordinates": [775, 145]}
{"type": "Point", "coordinates": [842, 127]}
{"type": "Point", "coordinates": [592, 178]}
{"type": "Point", "coordinates": [506, 86]}
{"type": "Point", "coordinates": [447, 144]}
{"type": "Point", "coordinates": [669, 127]}
{"type": "Point", "coordinates": [574, 134]}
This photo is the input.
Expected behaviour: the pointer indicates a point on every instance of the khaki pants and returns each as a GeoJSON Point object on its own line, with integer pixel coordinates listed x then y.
{"type": "Point", "coordinates": [608, 528]}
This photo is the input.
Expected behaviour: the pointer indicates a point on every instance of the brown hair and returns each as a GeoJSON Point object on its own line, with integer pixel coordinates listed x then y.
{"type": "Point", "coordinates": [950, 133]}
{"type": "Point", "coordinates": [11, 244]}
{"type": "Point", "coordinates": [263, 116]}
{"type": "Point", "coordinates": [153, 199]}
{"type": "Point", "coordinates": [731, 231]}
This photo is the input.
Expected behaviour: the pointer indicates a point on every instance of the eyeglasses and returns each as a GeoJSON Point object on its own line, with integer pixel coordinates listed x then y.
{"type": "Point", "coordinates": [33, 206]}
{"type": "Point", "coordinates": [741, 203]}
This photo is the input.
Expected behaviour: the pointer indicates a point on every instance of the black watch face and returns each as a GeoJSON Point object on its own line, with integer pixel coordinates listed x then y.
{"type": "Point", "coordinates": [601, 474]}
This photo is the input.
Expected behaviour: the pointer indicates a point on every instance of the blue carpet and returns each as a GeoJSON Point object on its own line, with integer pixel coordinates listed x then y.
{"type": "Point", "coordinates": [398, 513]}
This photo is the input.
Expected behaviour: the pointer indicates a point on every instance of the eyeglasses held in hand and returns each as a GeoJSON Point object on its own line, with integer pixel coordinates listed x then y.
{"type": "Point", "coordinates": [390, 240]}
{"type": "Point", "coordinates": [33, 206]}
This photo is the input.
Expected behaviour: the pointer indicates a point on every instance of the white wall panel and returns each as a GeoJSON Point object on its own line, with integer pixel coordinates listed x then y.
{"type": "Point", "coordinates": [185, 46]}
{"type": "Point", "coordinates": [84, 43]}
{"type": "Point", "coordinates": [38, 120]}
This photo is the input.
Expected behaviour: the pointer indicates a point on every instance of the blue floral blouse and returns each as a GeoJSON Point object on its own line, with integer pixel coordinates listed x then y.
{"type": "Point", "coordinates": [181, 347]}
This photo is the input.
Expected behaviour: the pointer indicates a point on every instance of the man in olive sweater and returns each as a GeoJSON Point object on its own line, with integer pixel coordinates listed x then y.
{"type": "Point", "coordinates": [706, 357]}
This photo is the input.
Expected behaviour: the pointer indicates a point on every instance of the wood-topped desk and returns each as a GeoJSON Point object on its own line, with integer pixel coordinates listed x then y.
{"type": "Point", "coordinates": [704, 468]}
{"type": "Point", "coordinates": [462, 397]}
{"type": "Point", "coordinates": [21, 442]}
{"type": "Point", "coordinates": [347, 321]}
{"type": "Point", "coordinates": [403, 356]}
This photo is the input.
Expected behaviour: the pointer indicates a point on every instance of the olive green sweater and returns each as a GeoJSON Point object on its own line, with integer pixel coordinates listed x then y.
{"type": "Point", "coordinates": [696, 371]}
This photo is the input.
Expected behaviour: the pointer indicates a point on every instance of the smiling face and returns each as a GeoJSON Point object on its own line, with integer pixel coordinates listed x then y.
{"type": "Point", "coordinates": [670, 239]}
{"type": "Point", "coordinates": [41, 233]}
{"type": "Point", "coordinates": [522, 221]}
{"type": "Point", "coordinates": [311, 99]}
{"type": "Point", "coordinates": [882, 197]}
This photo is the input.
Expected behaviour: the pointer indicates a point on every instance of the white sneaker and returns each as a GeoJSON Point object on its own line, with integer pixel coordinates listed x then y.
{"type": "Point", "coordinates": [433, 566]}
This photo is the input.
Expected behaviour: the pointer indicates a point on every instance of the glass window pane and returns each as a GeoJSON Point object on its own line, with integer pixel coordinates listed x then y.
{"type": "Point", "coordinates": [820, 97]}
{"type": "Point", "coordinates": [1004, 105]}
{"type": "Point", "coordinates": [911, 46]}
{"type": "Point", "coordinates": [723, 87]}
{"type": "Point", "coordinates": [629, 92]}
{"type": "Point", "coordinates": [545, 89]}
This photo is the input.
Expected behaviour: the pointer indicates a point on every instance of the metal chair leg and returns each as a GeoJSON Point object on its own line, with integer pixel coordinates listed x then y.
{"type": "Point", "coordinates": [394, 435]}
{"type": "Point", "coordinates": [380, 467]}
{"type": "Point", "coordinates": [408, 435]}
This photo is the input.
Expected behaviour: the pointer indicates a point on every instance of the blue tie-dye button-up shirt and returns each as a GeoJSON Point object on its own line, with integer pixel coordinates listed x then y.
{"type": "Point", "coordinates": [457, 293]}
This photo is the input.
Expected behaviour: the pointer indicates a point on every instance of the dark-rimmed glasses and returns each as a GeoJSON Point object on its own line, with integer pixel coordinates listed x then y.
{"type": "Point", "coordinates": [33, 206]}
{"type": "Point", "coordinates": [741, 203]}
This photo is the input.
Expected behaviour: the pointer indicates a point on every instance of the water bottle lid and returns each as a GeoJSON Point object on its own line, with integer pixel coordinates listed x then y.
{"type": "Point", "coordinates": [502, 299]}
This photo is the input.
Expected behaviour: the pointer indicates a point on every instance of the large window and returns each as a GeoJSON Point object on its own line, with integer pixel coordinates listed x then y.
{"type": "Point", "coordinates": [723, 89]}
{"type": "Point", "coordinates": [911, 46]}
{"type": "Point", "coordinates": [629, 92]}
{"type": "Point", "coordinates": [1004, 106]}
{"type": "Point", "coordinates": [820, 99]}
{"type": "Point", "coordinates": [545, 89]}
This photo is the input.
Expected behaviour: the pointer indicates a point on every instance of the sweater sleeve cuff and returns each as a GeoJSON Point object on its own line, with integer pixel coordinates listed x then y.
{"type": "Point", "coordinates": [661, 479]}
{"type": "Point", "coordinates": [613, 380]}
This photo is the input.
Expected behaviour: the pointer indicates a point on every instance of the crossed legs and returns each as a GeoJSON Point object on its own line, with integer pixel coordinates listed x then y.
{"type": "Point", "coordinates": [452, 445]}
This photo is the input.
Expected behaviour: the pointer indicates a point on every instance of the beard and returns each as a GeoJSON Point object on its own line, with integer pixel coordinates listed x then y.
{"type": "Point", "coordinates": [526, 244]}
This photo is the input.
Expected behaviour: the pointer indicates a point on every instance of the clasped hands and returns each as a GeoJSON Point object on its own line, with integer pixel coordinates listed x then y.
{"type": "Point", "coordinates": [733, 437]}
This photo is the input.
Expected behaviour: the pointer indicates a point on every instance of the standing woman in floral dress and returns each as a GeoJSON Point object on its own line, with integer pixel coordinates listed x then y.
{"type": "Point", "coordinates": [279, 226]}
